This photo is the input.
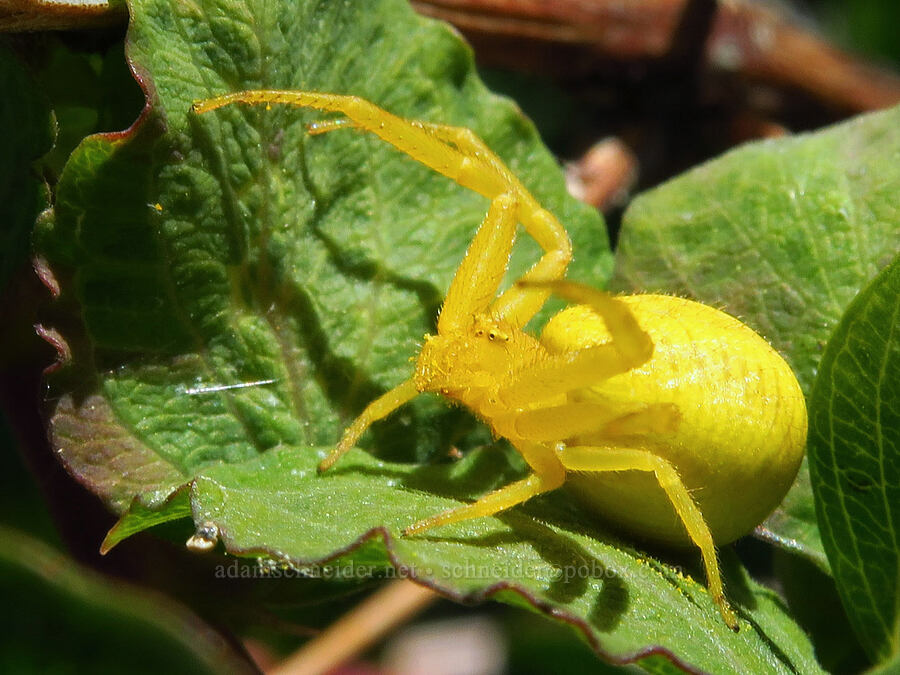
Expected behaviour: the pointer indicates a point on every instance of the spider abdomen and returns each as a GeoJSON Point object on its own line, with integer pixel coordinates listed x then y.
{"type": "Point", "coordinates": [742, 428]}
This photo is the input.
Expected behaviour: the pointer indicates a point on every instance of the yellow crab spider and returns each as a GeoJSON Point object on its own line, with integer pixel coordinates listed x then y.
{"type": "Point", "coordinates": [666, 416]}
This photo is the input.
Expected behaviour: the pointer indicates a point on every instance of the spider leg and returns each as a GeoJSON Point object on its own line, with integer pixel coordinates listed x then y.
{"type": "Point", "coordinates": [654, 418]}
{"type": "Point", "coordinates": [627, 335]}
{"type": "Point", "coordinates": [562, 373]}
{"type": "Point", "coordinates": [592, 458]}
{"type": "Point", "coordinates": [462, 138]}
{"type": "Point", "coordinates": [455, 152]}
{"type": "Point", "coordinates": [558, 423]}
{"type": "Point", "coordinates": [516, 305]}
{"type": "Point", "coordinates": [491, 503]}
{"type": "Point", "coordinates": [479, 274]}
{"type": "Point", "coordinates": [548, 475]}
{"type": "Point", "coordinates": [381, 407]}
{"type": "Point", "coordinates": [630, 347]}
{"type": "Point", "coordinates": [406, 137]}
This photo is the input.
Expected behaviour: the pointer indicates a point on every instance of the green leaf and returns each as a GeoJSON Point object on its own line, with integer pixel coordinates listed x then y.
{"type": "Point", "coordinates": [782, 233]}
{"type": "Point", "coordinates": [62, 618]}
{"type": "Point", "coordinates": [234, 291]}
{"type": "Point", "coordinates": [310, 265]}
{"type": "Point", "coordinates": [854, 454]}
{"type": "Point", "coordinates": [625, 603]}
{"type": "Point", "coordinates": [139, 518]}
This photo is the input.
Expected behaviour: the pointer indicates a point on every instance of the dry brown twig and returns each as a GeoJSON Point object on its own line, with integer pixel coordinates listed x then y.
{"type": "Point", "coordinates": [361, 627]}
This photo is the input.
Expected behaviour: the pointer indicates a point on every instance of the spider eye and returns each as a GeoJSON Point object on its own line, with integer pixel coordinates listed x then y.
{"type": "Point", "coordinates": [491, 335]}
{"type": "Point", "coordinates": [479, 333]}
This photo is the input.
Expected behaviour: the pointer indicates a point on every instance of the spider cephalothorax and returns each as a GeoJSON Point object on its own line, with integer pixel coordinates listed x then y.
{"type": "Point", "coordinates": [666, 415]}
{"type": "Point", "coordinates": [470, 363]}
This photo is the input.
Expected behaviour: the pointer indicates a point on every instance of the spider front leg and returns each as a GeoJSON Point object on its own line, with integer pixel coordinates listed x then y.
{"type": "Point", "coordinates": [478, 276]}
{"type": "Point", "coordinates": [455, 152]}
{"type": "Point", "coordinates": [518, 304]}
{"type": "Point", "coordinates": [596, 459]}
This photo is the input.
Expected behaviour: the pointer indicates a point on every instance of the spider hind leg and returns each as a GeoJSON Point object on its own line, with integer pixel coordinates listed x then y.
{"type": "Point", "coordinates": [597, 459]}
